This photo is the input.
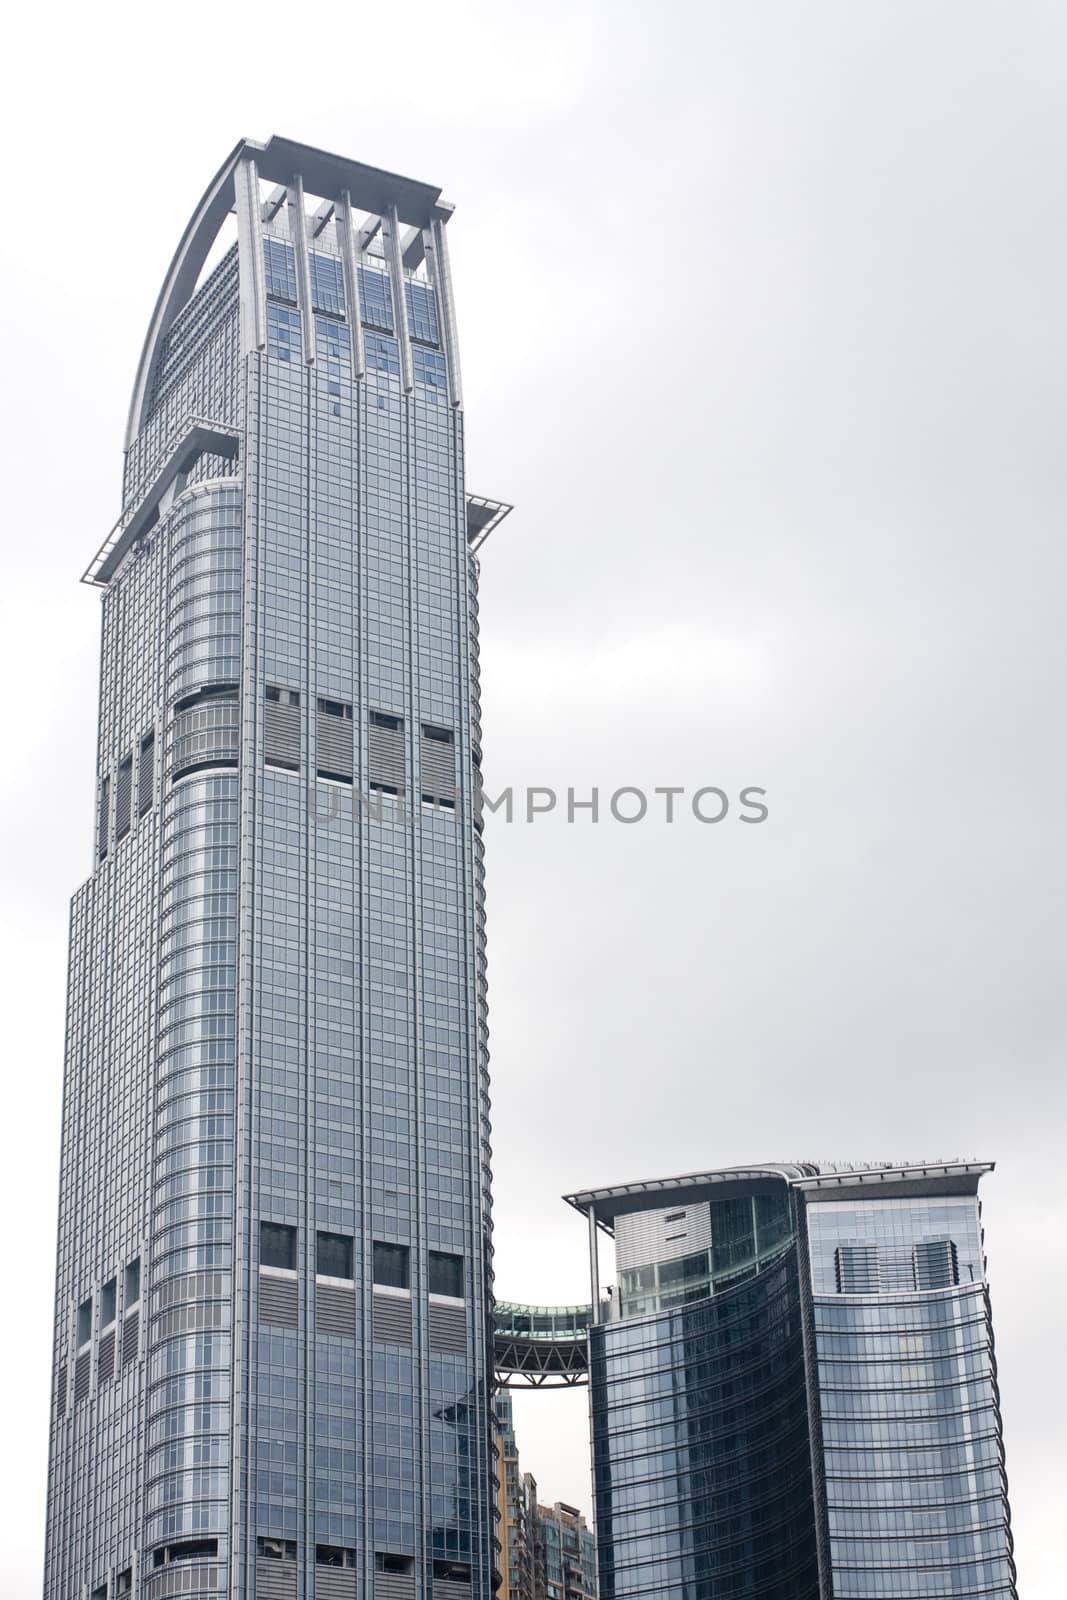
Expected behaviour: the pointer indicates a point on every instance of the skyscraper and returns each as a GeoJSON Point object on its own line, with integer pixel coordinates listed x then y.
{"type": "Point", "coordinates": [271, 1370]}
{"type": "Point", "coordinates": [793, 1387]}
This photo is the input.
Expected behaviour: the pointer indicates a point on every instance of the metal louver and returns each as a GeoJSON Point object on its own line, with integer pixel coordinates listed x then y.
{"type": "Point", "coordinates": [437, 764]}
{"type": "Point", "coordinates": [333, 740]}
{"type": "Point", "coordinates": [123, 797]}
{"type": "Point", "coordinates": [146, 774]}
{"type": "Point", "coordinates": [385, 752]}
{"type": "Point", "coordinates": [281, 728]}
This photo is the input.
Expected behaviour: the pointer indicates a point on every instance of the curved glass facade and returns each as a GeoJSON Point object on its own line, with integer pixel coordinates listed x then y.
{"type": "Point", "coordinates": [701, 1454]}
{"type": "Point", "coordinates": [912, 1458]}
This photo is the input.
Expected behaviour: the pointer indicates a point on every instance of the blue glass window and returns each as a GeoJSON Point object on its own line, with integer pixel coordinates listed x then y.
{"type": "Point", "coordinates": [327, 283]}
{"type": "Point", "coordinates": [375, 301]}
{"type": "Point", "coordinates": [382, 353]}
{"type": "Point", "coordinates": [422, 311]}
{"type": "Point", "coordinates": [283, 332]}
{"type": "Point", "coordinates": [280, 268]}
{"type": "Point", "coordinates": [429, 367]}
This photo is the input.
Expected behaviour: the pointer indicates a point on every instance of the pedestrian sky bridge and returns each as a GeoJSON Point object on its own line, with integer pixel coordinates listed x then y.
{"type": "Point", "coordinates": [540, 1347]}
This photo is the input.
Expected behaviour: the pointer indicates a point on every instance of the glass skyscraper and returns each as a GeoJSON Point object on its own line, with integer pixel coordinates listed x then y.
{"type": "Point", "coordinates": [271, 1372]}
{"type": "Point", "coordinates": [793, 1388]}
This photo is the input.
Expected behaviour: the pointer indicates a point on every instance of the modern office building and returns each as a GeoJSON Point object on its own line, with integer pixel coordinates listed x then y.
{"type": "Point", "coordinates": [272, 1372]}
{"type": "Point", "coordinates": [793, 1387]}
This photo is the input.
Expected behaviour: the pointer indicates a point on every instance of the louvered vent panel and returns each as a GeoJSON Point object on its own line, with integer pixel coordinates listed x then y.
{"type": "Point", "coordinates": [103, 810]}
{"type": "Point", "coordinates": [448, 1329]}
{"type": "Point", "coordinates": [452, 1589]}
{"type": "Point", "coordinates": [936, 1265]}
{"type": "Point", "coordinates": [130, 1331]}
{"type": "Point", "coordinates": [81, 1376]}
{"type": "Point", "coordinates": [207, 735]}
{"type": "Point", "coordinates": [193, 1286]}
{"type": "Point", "coordinates": [392, 1319]}
{"type": "Point", "coordinates": [275, 1580]}
{"type": "Point", "coordinates": [124, 797]}
{"type": "Point", "coordinates": [190, 1319]}
{"type": "Point", "coordinates": [335, 1310]}
{"type": "Point", "coordinates": [394, 1586]}
{"type": "Point", "coordinates": [105, 1359]}
{"type": "Point", "coordinates": [858, 1269]}
{"type": "Point", "coordinates": [278, 1302]}
{"type": "Point", "coordinates": [437, 757]}
{"type": "Point", "coordinates": [333, 740]}
{"type": "Point", "coordinates": [281, 729]}
{"type": "Point", "coordinates": [184, 1578]}
{"type": "Point", "coordinates": [385, 752]}
{"type": "Point", "coordinates": [61, 1390]}
{"type": "Point", "coordinates": [335, 1583]}
{"type": "Point", "coordinates": [146, 774]}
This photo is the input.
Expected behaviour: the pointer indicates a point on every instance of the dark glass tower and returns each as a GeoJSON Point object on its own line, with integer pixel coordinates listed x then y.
{"type": "Point", "coordinates": [794, 1391]}
{"type": "Point", "coordinates": [271, 1369]}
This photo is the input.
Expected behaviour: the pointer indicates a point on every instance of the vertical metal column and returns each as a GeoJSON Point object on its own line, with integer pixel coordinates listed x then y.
{"type": "Point", "coordinates": [437, 260]}
{"type": "Point", "coordinates": [298, 233]}
{"type": "Point", "coordinates": [350, 267]}
{"type": "Point", "coordinates": [391, 240]}
{"type": "Point", "coordinates": [253, 296]}
{"type": "Point", "coordinates": [594, 1267]}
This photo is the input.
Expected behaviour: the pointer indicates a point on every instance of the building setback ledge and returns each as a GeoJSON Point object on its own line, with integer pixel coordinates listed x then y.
{"type": "Point", "coordinates": [197, 439]}
{"type": "Point", "coordinates": [482, 517]}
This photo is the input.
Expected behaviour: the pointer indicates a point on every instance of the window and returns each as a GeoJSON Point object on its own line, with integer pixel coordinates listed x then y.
{"type": "Point", "coordinates": [334, 1555]}
{"type": "Point", "coordinates": [446, 1274]}
{"type": "Point", "coordinates": [85, 1322]}
{"type": "Point", "coordinates": [276, 1549]}
{"type": "Point", "coordinates": [392, 1267]}
{"type": "Point", "coordinates": [187, 1550]}
{"type": "Point", "coordinates": [107, 1303]}
{"type": "Point", "coordinates": [132, 1285]}
{"type": "Point", "coordinates": [333, 1255]}
{"type": "Point", "coordinates": [124, 1581]}
{"type": "Point", "coordinates": [384, 1561]}
{"type": "Point", "coordinates": [452, 1571]}
{"type": "Point", "coordinates": [277, 1245]}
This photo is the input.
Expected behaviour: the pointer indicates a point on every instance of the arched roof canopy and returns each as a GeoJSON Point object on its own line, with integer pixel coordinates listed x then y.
{"type": "Point", "coordinates": [279, 161]}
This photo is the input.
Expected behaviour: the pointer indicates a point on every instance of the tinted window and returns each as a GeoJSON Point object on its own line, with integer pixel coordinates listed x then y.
{"type": "Point", "coordinates": [333, 1256]}
{"type": "Point", "coordinates": [277, 1245]}
{"type": "Point", "coordinates": [446, 1274]}
{"type": "Point", "coordinates": [391, 1265]}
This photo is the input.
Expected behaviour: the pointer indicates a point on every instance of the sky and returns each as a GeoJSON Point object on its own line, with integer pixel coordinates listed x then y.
{"type": "Point", "coordinates": [763, 330]}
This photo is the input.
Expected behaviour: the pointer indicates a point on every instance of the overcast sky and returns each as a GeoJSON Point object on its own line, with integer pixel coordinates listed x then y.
{"type": "Point", "coordinates": [762, 318]}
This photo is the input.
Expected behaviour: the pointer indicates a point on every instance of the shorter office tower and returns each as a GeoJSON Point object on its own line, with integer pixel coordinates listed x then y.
{"type": "Point", "coordinates": [547, 1552]}
{"type": "Point", "coordinates": [793, 1388]}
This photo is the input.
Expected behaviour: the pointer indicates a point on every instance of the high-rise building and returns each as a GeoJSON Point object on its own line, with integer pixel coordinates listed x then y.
{"type": "Point", "coordinates": [566, 1555]}
{"type": "Point", "coordinates": [271, 1371]}
{"type": "Point", "coordinates": [517, 1511]}
{"type": "Point", "coordinates": [793, 1387]}
{"type": "Point", "coordinates": [547, 1552]}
